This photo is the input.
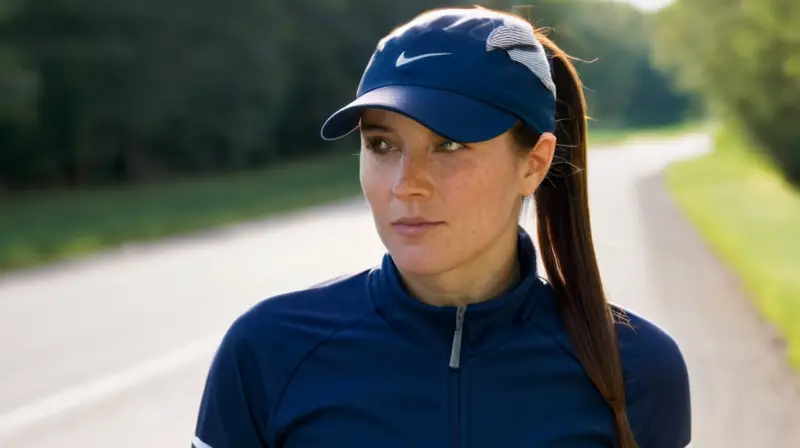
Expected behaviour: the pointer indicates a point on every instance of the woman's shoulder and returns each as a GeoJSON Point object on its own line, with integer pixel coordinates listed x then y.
{"type": "Point", "coordinates": [281, 330]}
{"type": "Point", "coordinates": [262, 349]}
{"type": "Point", "coordinates": [649, 353]}
{"type": "Point", "coordinates": [656, 381]}
{"type": "Point", "coordinates": [318, 309]}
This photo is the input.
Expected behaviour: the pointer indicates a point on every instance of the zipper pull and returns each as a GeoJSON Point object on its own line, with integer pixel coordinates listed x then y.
{"type": "Point", "coordinates": [455, 352]}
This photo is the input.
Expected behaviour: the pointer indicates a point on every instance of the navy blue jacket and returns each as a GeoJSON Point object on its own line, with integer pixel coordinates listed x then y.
{"type": "Point", "coordinates": [358, 362]}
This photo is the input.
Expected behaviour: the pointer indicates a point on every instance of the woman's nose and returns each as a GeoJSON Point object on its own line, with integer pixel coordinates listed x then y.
{"type": "Point", "coordinates": [413, 180]}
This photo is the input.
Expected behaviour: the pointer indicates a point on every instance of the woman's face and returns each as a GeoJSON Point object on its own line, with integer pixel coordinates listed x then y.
{"type": "Point", "coordinates": [439, 204]}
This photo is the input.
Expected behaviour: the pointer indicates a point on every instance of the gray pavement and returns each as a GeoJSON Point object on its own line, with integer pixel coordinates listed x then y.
{"type": "Point", "coordinates": [744, 393]}
{"type": "Point", "coordinates": [112, 350]}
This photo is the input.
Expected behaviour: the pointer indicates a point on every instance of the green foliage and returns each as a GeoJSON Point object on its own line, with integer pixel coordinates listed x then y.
{"type": "Point", "coordinates": [745, 58]}
{"type": "Point", "coordinates": [45, 227]}
{"type": "Point", "coordinates": [132, 91]}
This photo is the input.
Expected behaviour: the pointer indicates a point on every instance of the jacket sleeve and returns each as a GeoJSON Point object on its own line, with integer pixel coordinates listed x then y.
{"type": "Point", "coordinates": [233, 407]}
{"type": "Point", "coordinates": [659, 398]}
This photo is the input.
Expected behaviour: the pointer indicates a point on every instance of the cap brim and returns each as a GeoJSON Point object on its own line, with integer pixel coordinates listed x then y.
{"type": "Point", "coordinates": [448, 114]}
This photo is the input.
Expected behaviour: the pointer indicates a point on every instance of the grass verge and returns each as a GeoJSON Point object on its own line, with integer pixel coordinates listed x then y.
{"type": "Point", "coordinates": [48, 227]}
{"type": "Point", "coordinates": [751, 218]}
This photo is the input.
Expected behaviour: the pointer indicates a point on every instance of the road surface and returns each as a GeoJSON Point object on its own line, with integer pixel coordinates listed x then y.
{"type": "Point", "coordinates": [112, 350]}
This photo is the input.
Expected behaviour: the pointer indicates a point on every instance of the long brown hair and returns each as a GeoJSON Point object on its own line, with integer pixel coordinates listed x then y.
{"type": "Point", "coordinates": [567, 247]}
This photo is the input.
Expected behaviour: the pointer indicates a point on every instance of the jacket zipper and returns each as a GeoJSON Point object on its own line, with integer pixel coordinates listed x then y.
{"type": "Point", "coordinates": [455, 352]}
{"type": "Point", "coordinates": [455, 364]}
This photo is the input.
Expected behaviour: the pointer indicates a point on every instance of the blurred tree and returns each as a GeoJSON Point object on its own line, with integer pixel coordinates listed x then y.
{"type": "Point", "coordinates": [745, 59]}
{"type": "Point", "coordinates": [131, 88]}
{"type": "Point", "coordinates": [18, 108]}
{"type": "Point", "coordinates": [99, 92]}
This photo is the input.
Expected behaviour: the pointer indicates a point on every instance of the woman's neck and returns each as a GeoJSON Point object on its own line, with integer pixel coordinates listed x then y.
{"type": "Point", "coordinates": [489, 274]}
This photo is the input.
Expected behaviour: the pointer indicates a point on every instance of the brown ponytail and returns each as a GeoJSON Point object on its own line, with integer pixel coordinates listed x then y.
{"type": "Point", "coordinates": [565, 240]}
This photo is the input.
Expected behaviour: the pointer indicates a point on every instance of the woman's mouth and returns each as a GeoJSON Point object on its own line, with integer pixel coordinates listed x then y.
{"type": "Point", "coordinates": [410, 227]}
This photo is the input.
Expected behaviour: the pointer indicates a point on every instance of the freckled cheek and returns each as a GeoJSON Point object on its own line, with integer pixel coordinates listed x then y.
{"type": "Point", "coordinates": [475, 201]}
{"type": "Point", "coordinates": [466, 196]}
{"type": "Point", "coordinates": [376, 182]}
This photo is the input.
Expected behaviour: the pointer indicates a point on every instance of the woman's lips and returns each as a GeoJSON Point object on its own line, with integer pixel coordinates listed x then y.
{"type": "Point", "coordinates": [414, 227]}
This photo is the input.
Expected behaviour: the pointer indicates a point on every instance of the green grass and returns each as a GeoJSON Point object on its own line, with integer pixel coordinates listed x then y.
{"type": "Point", "coordinates": [751, 218]}
{"type": "Point", "coordinates": [52, 226]}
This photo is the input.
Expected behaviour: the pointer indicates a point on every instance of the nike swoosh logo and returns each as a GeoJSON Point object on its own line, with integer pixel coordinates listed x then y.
{"type": "Point", "coordinates": [403, 60]}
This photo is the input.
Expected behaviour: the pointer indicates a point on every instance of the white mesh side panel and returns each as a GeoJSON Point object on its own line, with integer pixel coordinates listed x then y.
{"type": "Point", "coordinates": [507, 36]}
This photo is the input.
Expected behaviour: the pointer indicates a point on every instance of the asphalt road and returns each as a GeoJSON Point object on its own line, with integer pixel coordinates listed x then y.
{"type": "Point", "coordinates": [112, 350]}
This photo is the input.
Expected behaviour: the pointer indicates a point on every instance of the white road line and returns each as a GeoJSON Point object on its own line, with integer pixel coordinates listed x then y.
{"type": "Point", "coordinates": [101, 388]}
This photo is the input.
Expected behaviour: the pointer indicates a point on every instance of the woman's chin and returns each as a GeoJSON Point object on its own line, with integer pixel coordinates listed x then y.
{"type": "Point", "coordinates": [417, 261]}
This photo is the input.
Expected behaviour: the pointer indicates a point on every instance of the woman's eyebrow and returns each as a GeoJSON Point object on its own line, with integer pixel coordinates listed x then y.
{"type": "Point", "coordinates": [374, 127]}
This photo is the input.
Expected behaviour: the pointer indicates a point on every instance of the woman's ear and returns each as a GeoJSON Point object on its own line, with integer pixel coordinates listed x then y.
{"type": "Point", "coordinates": [537, 163]}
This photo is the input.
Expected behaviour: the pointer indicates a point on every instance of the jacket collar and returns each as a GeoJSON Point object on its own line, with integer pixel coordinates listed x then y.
{"type": "Point", "coordinates": [486, 324]}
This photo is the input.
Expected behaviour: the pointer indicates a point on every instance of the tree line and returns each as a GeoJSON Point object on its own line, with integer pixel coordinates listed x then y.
{"type": "Point", "coordinates": [97, 92]}
{"type": "Point", "coordinates": [744, 58]}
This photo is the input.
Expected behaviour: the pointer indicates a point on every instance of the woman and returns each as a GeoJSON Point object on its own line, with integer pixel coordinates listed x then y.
{"type": "Point", "coordinates": [455, 339]}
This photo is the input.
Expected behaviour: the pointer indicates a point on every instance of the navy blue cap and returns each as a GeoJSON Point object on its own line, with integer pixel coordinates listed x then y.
{"type": "Point", "coordinates": [467, 74]}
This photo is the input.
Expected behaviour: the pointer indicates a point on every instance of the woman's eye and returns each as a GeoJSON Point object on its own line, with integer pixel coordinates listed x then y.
{"type": "Point", "coordinates": [451, 146]}
{"type": "Point", "coordinates": [379, 145]}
